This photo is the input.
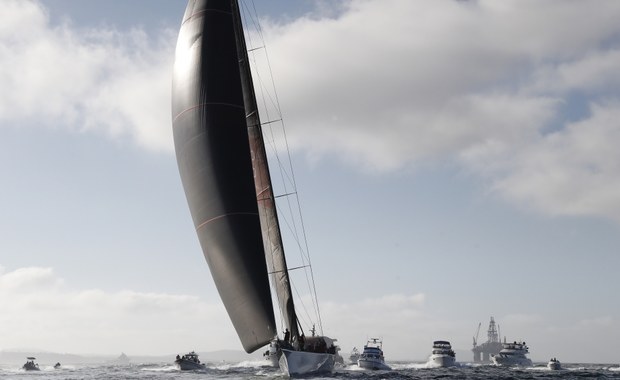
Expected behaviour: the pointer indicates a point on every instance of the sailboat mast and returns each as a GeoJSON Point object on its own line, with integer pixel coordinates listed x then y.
{"type": "Point", "coordinates": [272, 238]}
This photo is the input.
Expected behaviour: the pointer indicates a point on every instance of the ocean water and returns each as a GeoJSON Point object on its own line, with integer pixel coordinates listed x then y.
{"type": "Point", "coordinates": [258, 371]}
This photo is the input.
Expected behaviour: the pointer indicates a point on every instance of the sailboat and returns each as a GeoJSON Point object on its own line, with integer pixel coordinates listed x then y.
{"type": "Point", "coordinates": [225, 174]}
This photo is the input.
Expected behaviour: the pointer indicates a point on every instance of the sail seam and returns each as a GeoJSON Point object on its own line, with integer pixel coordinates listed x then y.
{"type": "Point", "coordinates": [205, 104]}
{"type": "Point", "coordinates": [223, 216]}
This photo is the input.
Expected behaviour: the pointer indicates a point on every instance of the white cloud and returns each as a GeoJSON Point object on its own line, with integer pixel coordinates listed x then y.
{"type": "Point", "coordinates": [102, 81]}
{"type": "Point", "coordinates": [379, 84]}
{"type": "Point", "coordinates": [389, 84]}
{"type": "Point", "coordinates": [574, 171]}
{"type": "Point", "coordinates": [40, 311]}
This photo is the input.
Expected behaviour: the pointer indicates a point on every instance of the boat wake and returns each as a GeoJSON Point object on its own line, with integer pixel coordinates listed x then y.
{"type": "Point", "coordinates": [401, 366]}
{"type": "Point", "coordinates": [243, 364]}
{"type": "Point", "coordinates": [168, 368]}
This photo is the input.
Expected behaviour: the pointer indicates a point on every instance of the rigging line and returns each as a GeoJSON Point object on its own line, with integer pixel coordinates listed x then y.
{"type": "Point", "coordinates": [284, 195]}
{"type": "Point", "coordinates": [271, 122]}
{"type": "Point", "coordinates": [307, 317]}
{"type": "Point", "coordinates": [284, 175]}
{"type": "Point", "coordinates": [294, 182]}
{"type": "Point", "coordinates": [247, 14]}
{"type": "Point", "coordinates": [264, 96]}
{"type": "Point", "coordinates": [257, 27]}
{"type": "Point", "coordinates": [288, 269]}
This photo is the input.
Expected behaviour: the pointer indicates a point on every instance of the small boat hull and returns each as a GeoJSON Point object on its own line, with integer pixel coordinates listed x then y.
{"type": "Point", "coordinates": [373, 364]}
{"type": "Point", "coordinates": [554, 366]}
{"type": "Point", "coordinates": [188, 365]}
{"type": "Point", "coordinates": [438, 361]}
{"type": "Point", "coordinates": [295, 363]}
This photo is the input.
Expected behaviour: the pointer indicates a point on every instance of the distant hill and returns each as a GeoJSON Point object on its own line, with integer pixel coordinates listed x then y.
{"type": "Point", "coordinates": [50, 358]}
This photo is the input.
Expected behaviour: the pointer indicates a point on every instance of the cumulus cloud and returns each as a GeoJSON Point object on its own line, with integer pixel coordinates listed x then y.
{"type": "Point", "coordinates": [381, 85]}
{"type": "Point", "coordinates": [40, 311]}
{"type": "Point", "coordinates": [98, 80]}
{"type": "Point", "coordinates": [390, 84]}
{"type": "Point", "coordinates": [574, 171]}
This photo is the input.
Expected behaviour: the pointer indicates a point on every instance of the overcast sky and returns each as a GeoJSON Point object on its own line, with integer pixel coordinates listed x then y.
{"type": "Point", "coordinates": [455, 160]}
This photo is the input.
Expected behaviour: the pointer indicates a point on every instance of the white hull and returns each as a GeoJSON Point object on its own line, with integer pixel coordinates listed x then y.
{"type": "Point", "coordinates": [554, 366]}
{"type": "Point", "coordinates": [511, 361]}
{"type": "Point", "coordinates": [294, 363]}
{"type": "Point", "coordinates": [441, 361]}
{"type": "Point", "coordinates": [187, 365]}
{"type": "Point", "coordinates": [373, 364]}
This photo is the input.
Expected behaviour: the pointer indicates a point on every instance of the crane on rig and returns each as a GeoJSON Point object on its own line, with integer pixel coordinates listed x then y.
{"type": "Point", "coordinates": [477, 333]}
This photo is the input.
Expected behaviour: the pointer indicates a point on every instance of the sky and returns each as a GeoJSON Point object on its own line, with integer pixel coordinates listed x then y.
{"type": "Point", "coordinates": [455, 160]}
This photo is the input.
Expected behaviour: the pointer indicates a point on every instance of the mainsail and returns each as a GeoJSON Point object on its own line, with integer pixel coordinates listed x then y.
{"type": "Point", "coordinates": [272, 238]}
{"type": "Point", "coordinates": [213, 155]}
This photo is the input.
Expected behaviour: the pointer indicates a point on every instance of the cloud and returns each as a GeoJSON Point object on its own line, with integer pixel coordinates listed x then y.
{"type": "Point", "coordinates": [40, 311]}
{"type": "Point", "coordinates": [387, 85]}
{"type": "Point", "coordinates": [510, 92]}
{"type": "Point", "coordinates": [99, 80]}
{"type": "Point", "coordinates": [574, 171]}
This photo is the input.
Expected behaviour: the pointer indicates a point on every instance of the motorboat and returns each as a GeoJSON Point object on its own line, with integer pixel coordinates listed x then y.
{"type": "Point", "coordinates": [188, 362]}
{"type": "Point", "coordinates": [57, 365]}
{"type": "Point", "coordinates": [554, 364]}
{"type": "Point", "coordinates": [355, 354]}
{"type": "Point", "coordinates": [372, 356]}
{"type": "Point", "coordinates": [30, 364]}
{"type": "Point", "coordinates": [443, 355]}
{"type": "Point", "coordinates": [512, 354]}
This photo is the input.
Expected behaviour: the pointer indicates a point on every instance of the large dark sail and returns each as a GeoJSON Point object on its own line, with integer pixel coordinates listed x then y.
{"type": "Point", "coordinates": [213, 155]}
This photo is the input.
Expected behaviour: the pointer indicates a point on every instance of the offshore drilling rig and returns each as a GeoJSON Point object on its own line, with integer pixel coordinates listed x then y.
{"type": "Point", "coordinates": [483, 352]}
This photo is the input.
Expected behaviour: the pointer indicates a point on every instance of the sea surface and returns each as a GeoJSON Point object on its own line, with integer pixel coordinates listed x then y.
{"type": "Point", "coordinates": [260, 371]}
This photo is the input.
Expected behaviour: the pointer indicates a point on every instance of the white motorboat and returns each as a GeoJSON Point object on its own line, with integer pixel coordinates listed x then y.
{"type": "Point", "coordinates": [188, 362]}
{"type": "Point", "coordinates": [372, 356]}
{"type": "Point", "coordinates": [443, 355]}
{"type": "Point", "coordinates": [512, 354]}
{"type": "Point", "coordinates": [554, 364]}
